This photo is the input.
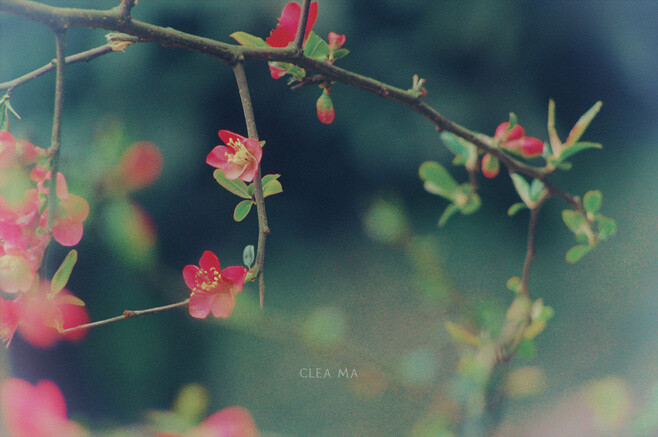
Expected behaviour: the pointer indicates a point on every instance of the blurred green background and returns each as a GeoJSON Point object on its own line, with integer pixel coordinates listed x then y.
{"type": "Point", "coordinates": [337, 297]}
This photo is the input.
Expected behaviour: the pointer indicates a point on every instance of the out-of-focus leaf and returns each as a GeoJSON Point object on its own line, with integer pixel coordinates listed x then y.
{"type": "Point", "coordinates": [536, 189]}
{"type": "Point", "coordinates": [581, 125]}
{"type": "Point", "coordinates": [607, 228]}
{"type": "Point", "coordinates": [577, 252]}
{"type": "Point", "coordinates": [522, 188]}
{"type": "Point", "coordinates": [449, 212]}
{"type": "Point", "coordinates": [437, 180]}
{"type": "Point", "coordinates": [592, 201]}
{"type": "Point", "coordinates": [575, 221]}
{"type": "Point", "coordinates": [515, 208]}
{"type": "Point", "coordinates": [61, 276]}
{"type": "Point", "coordinates": [514, 284]}
{"type": "Point", "coordinates": [461, 335]}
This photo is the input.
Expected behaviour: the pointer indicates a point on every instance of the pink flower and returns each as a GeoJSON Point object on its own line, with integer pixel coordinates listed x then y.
{"type": "Point", "coordinates": [7, 149]}
{"type": "Point", "coordinates": [36, 410]}
{"type": "Point", "coordinates": [515, 139]}
{"type": "Point", "coordinates": [490, 166]}
{"type": "Point", "coordinates": [285, 31]}
{"type": "Point", "coordinates": [213, 289]}
{"type": "Point", "coordinates": [40, 315]}
{"type": "Point", "coordinates": [229, 422]}
{"type": "Point", "coordinates": [16, 274]}
{"type": "Point", "coordinates": [325, 107]}
{"type": "Point", "coordinates": [239, 158]}
{"type": "Point", "coordinates": [532, 147]}
{"type": "Point", "coordinates": [140, 165]}
{"type": "Point", "coordinates": [71, 211]}
{"type": "Point", "coordinates": [504, 135]}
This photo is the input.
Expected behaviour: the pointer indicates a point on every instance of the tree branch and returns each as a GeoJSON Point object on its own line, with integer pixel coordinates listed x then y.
{"type": "Point", "coordinates": [85, 56]}
{"type": "Point", "coordinates": [530, 249]}
{"type": "Point", "coordinates": [263, 229]}
{"type": "Point", "coordinates": [127, 314]}
{"type": "Point", "coordinates": [301, 28]}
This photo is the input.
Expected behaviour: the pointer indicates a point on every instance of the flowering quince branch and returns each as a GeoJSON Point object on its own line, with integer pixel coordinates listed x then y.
{"type": "Point", "coordinates": [263, 228]}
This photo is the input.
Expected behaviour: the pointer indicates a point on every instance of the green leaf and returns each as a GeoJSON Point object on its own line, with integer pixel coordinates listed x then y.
{"type": "Point", "coordinates": [271, 188]}
{"type": "Point", "coordinates": [513, 120]}
{"type": "Point", "coordinates": [70, 299]}
{"type": "Point", "coordinates": [340, 53]}
{"type": "Point", "coordinates": [61, 276]}
{"type": "Point", "coordinates": [577, 252]}
{"type": "Point", "coordinates": [461, 335]}
{"type": "Point", "coordinates": [248, 255]}
{"type": "Point", "coordinates": [546, 313]}
{"type": "Point", "coordinates": [5, 109]}
{"type": "Point", "coordinates": [577, 148]}
{"type": "Point", "coordinates": [536, 190]}
{"type": "Point", "coordinates": [522, 188]}
{"type": "Point", "coordinates": [575, 221]}
{"type": "Point", "coordinates": [460, 147]}
{"type": "Point", "coordinates": [246, 39]}
{"type": "Point", "coordinates": [316, 47]}
{"type": "Point", "coordinates": [514, 284]}
{"type": "Point", "coordinates": [235, 186]}
{"type": "Point", "coordinates": [270, 177]}
{"type": "Point", "coordinates": [565, 166]}
{"type": "Point", "coordinates": [472, 201]}
{"type": "Point", "coordinates": [607, 228]}
{"type": "Point", "coordinates": [449, 212]}
{"type": "Point", "coordinates": [515, 208]}
{"type": "Point", "coordinates": [581, 125]}
{"type": "Point", "coordinates": [592, 201]}
{"type": "Point", "coordinates": [242, 209]}
{"type": "Point", "coordinates": [527, 349]}
{"type": "Point", "coordinates": [437, 180]}
{"type": "Point", "coordinates": [555, 143]}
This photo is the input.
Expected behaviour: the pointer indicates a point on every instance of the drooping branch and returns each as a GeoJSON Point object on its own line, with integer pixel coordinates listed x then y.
{"type": "Point", "coordinates": [252, 132]}
{"type": "Point", "coordinates": [127, 314]}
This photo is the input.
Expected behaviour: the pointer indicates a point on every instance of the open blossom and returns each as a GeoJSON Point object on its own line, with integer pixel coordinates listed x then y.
{"type": "Point", "coordinates": [285, 31]}
{"type": "Point", "coordinates": [71, 211]}
{"type": "Point", "coordinates": [140, 165]}
{"type": "Point", "coordinates": [515, 139]}
{"type": "Point", "coordinates": [239, 158]}
{"type": "Point", "coordinates": [36, 410]}
{"type": "Point", "coordinates": [213, 289]}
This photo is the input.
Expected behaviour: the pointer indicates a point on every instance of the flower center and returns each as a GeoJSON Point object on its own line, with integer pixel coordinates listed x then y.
{"type": "Point", "coordinates": [207, 280]}
{"type": "Point", "coordinates": [242, 156]}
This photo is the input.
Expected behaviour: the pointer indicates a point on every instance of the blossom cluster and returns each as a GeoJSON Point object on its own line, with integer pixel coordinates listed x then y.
{"type": "Point", "coordinates": [513, 139]}
{"type": "Point", "coordinates": [25, 181]}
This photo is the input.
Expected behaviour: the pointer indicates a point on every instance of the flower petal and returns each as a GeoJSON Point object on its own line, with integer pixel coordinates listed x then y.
{"type": "Point", "coordinates": [217, 156]}
{"type": "Point", "coordinates": [226, 136]}
{"type": "Point", "coordinates": [236, 275]}
{"type": "Point", "coordinates": [189, 274]}
{"type": "Point", "coordinates": [200, 304]}
{"type": "Point", "coordinates": [208, 261]}
{"type": "Point", "coordinates": [67, 232]}
{"type": "Point", "coordinates": [233, 170]}
{"type": "Point", "coordinates": [223, 305]}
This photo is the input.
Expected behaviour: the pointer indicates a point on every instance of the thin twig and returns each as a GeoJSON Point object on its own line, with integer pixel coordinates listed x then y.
{"type": "Point", "coordinates": [252, 132]}
{"type": "Point", "coordinates": [530, 248]}
{"type": "Point", "coordinates": [56, 138]}
{"type": "Point", "coordinates": [85, 56]}
{"type": "Point", "coordinates": [127, 314]}
{"type": "Point", "coordinates": [301, 28]}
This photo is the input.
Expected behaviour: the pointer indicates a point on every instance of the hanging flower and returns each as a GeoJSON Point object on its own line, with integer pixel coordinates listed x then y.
{"type": "Point", "coordinates": [213, 289]}
{"type": "Point", "coordinates": [239, 158]}
{"type": "Point", "coordinates": [325, 107]}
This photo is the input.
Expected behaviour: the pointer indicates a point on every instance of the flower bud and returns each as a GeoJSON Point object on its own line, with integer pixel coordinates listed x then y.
{"type": "Point", "coordinates": [503, 134]}
{"type": "Point", "coordinates": [335, 41]}
{"type": "Point", "coordinates": [490, 166]}
{"type": "Point", "coordinates": [325, 108]}
{"type": "Point", "coordinates": [532, 147]}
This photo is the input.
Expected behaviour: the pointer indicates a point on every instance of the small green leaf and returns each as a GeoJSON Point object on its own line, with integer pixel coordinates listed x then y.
{"type": "Point", "coordinates": [522, 188]}
{"type": "Point", "coordinates": [242, 209]}
{"type": "Point", "coordinates": [577, 148]}
{"type": "Point", "coordinates": [70, 299]}
{"type": "Point", "coordinates": [582, 124]}
{"type": "Point", "coordinates": [555, 143]}
{"type": "Point", "coordinates": [527, 349]}
{"type": "Point", "coordinates": [270, 177]}
{"type": "Point", "coordinates": [61, 276]}
{"type": "Point", "coordinates": [564, 166]}
{"type": "Point", "coordinates": [546, 313]}
{"type": "Point", "coordinates": [577, 252]}
{"type": "Point", "coordinates": [607, 227]}
{"type": "Point", "coordinates": [575, 221]}
{"type": "Point", "coordinates": [235, 186]}
{"type": "Point", "coordinates": [5, 109]}
{"type": "Point", "coordinates": [340, 53]}
{"type": "Point", "coordinates": [472, 201]}
{"type": "Point", "coordinates": [513, 120]}
{"type": "Point", "coordinates": [592, 201]}
{"type": "Point", "coordinates": [437, 180]}
{"type": "Point", "coordinates": [449, 212]}
{"type": "Point", "coordinates": [246, 39]}
{"type": "Point", "coordinates": [316, 47]}
{"type": "Point", "coordinates": [515, 208]}
{"type": "Point", "coordinates": [461, 335]}
{"type": "Point", "coordinates": [514, 284]}
{"type": "Point", "coordinates": [464, 150]}
{"type": "Point", "coordinates": [248, 255]}
{"type": "Point", "coordinates": [271, 188]}
{"type": "Point", "coordinates": [536, 190]}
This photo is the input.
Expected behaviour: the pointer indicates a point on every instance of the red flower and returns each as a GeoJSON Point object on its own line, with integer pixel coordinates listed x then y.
{"type": "Point", "coordinates": [36, 410]}
{"type": "Point", "coordinates": [213, 289]}
{"type": "Point", "coordinates": [515, 139]}
{"type": "Point", "coordinates": [490, 166]}
{"type": "Point", "coordinates": [504, 135]}
{"type": "Point", "coordinates": [140, 165]}
{"type": "Point", "coordinates": [285, 31]}
{"type": "Point", "coordinates": [325, 107]}
{"type": "Point", "coordinates": [335, 41]}
{"type": "Point", "coordinates": [532, 147]}
{"type": "Point", "coordinates": [239, 158]}
{"type": "Point", "coordinates": [71, 211]}
{"type": "Point", "coordinates": [41, 314]}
